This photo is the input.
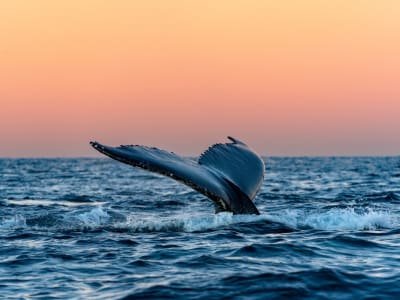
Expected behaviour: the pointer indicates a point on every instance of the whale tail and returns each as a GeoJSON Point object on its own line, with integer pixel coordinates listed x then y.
{"type": "Point", "coordinates": [229, 174]}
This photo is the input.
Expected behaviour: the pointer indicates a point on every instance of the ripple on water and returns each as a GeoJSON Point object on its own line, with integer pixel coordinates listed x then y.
{"type": "Point", "coordinates": [96, 229]}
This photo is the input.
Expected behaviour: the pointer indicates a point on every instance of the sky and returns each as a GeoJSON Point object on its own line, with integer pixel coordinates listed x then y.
{"type": "Point", "coordinates": [290, 78]}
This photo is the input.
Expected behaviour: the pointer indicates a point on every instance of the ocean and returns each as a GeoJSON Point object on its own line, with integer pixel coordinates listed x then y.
{"type": "Point", "coordinates": [93, 228]}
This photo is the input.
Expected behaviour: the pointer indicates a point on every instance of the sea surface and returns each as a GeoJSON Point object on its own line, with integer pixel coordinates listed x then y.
{"type": "Point", "coordinates": [93, 228]}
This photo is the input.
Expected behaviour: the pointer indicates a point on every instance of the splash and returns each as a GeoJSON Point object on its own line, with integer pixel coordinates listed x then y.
{"type": "Point", "coordinates": [298, 219]}
{"type": "Point", "coordinates": [338, 219]}
{"type": "Point", "coordinates": [185, 222]}
{"type": "Point", "coordinates": [95, 217]}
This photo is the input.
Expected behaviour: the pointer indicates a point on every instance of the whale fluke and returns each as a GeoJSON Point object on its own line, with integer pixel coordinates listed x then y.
{"type": "Point", "coordinates": [229, 174]}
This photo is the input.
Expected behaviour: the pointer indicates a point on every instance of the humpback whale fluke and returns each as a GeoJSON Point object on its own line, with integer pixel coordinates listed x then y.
{"type": "Point", "coordinates": [229, 174]}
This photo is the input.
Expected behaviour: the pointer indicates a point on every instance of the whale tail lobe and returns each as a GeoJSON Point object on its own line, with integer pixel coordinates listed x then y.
{"type": "Point", "coordinates": [229, 174]}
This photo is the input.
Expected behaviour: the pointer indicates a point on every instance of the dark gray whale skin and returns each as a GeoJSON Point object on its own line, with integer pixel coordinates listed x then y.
{"type": "Point", "coordinates": [229, 174]}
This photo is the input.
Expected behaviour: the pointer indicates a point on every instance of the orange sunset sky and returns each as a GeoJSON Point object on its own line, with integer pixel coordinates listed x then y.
{"type": "Point", "coordinates": [288, 77]}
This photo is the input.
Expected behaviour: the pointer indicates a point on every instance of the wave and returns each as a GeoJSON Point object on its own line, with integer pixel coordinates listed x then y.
{"type": "Point", "coordinates": [99, 218]}
{"type": "Point", "coordinates": [349, 218]}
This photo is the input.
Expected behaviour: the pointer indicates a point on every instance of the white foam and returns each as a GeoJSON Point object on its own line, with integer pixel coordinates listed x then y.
{"type": "Point", "coordinates": [338, 219]}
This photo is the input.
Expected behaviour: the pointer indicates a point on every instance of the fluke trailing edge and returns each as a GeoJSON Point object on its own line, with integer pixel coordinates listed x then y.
{"type": "Point", "coordinates": [229, 174]}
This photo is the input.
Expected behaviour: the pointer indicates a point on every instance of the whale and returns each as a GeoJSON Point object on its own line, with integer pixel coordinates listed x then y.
{"type": "Point", "coordinates": [230, 174]}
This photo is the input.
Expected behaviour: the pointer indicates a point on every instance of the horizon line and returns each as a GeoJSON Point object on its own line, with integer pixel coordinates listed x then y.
{"type": "Point", "coordinates": [195, 156]}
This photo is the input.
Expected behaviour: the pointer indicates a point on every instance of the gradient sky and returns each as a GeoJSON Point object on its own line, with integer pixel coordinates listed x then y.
{"type": "Point", "coordinates": [288, 77]}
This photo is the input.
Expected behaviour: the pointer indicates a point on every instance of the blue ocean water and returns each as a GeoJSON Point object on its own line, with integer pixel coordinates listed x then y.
{"type": "Point", "coordinates": [97, 229]}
